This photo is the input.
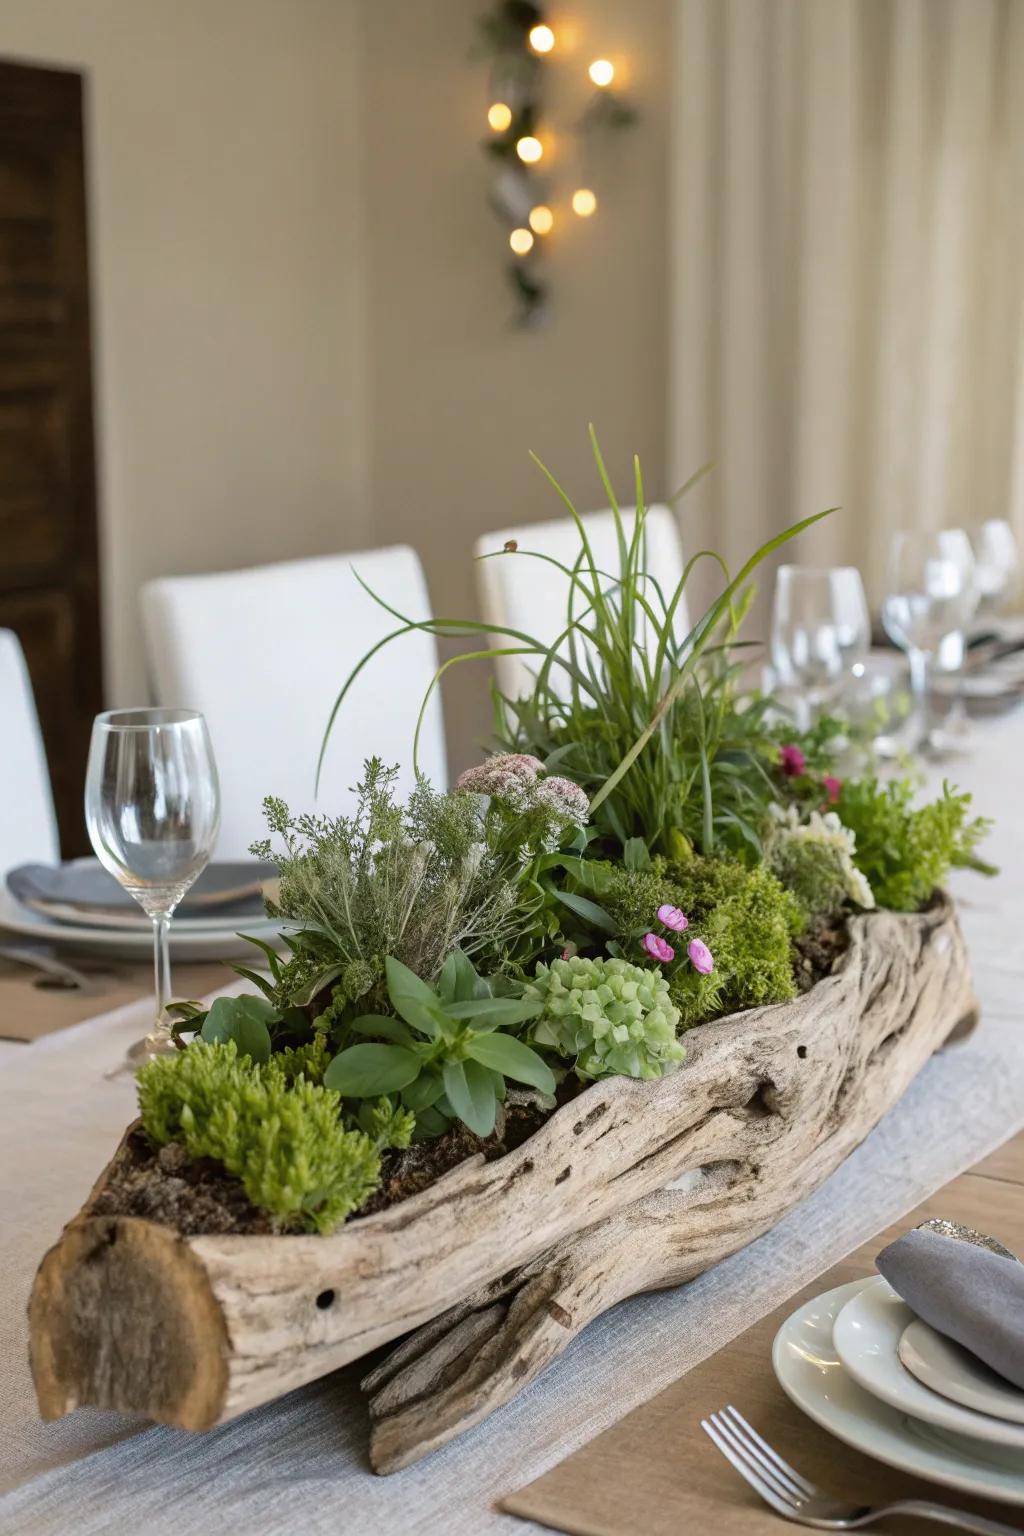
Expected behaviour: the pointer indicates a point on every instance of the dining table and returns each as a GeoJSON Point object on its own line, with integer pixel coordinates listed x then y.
{"type": "Point", "coordinates": [298, 1466]}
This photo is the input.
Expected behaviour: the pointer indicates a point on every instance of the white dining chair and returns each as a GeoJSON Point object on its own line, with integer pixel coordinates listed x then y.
{"type": "Point", "coordinates": [28, 825]}
{"type": "Point", "coordinates": [263, 654]}
{"type": "Point", "coordinates": [532, 595]}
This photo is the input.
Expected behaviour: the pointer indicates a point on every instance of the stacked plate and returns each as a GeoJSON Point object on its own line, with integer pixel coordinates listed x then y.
{"type": "Point", "coordinates": [79, 906]}
{"type": "Point", "coordinates": [859, 1363]}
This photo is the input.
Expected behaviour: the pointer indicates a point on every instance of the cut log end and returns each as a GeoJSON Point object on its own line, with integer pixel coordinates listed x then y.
{"type": "Point", "coordinates": [122, 1316]}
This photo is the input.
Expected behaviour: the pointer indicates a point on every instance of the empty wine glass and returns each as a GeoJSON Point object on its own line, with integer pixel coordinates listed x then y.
{"type": "Point", "coordinates": [931, 597]}
{"type": "Point", "coordinates": [996, 565]}
{"type": "Point", "coordinates": [152, 807]}
{"type": "Point", "coordinates": [821, 630]}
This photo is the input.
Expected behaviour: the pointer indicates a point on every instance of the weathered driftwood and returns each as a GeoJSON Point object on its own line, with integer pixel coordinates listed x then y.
{"type": "Point", "coordinates": [631, 1187]}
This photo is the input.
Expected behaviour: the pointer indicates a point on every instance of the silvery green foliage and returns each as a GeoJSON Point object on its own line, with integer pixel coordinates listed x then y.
{"type": "Point", "coordinates": [613, 1017]}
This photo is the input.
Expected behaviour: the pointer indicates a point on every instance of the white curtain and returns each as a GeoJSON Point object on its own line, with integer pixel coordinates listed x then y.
{"type": "Point", "coordinates": [847, 269]}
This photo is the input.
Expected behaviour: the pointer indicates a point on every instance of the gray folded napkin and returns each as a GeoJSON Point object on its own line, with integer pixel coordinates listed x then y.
{"type": "Point", "coordinates": [966, 1292]}
{"type": "Point", "coordinates": [224, 889]}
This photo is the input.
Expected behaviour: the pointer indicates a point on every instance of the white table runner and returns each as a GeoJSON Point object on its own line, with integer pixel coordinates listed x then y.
{"type": "Point", "coordinates": [298, 1467]}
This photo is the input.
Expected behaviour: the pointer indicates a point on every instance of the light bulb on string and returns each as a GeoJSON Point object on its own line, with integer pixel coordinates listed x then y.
{"type": "Point", "coordinates": [542, 39]}
{"type": "Point", "coordinates": [584, 202]}
{"type": "Point", "coordinates": [529, 149]}
{"type": "Point", "coordinates": [602, 72]}
{"type": "Point", "coordinates": [541, 219]}
{"type": "Point", "coordinates": [521, 241]}
{"type": "Point", "coordinates": [499, 116]}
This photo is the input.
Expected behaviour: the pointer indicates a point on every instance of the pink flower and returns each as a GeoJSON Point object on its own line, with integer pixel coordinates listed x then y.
{"type": "Point", "coordinates": [501, 774]}
{"type": "Point", "coordinates": [833, 788]}
{"type": "Point", "coordinates": [792, 761]}
{"type": "Point", "coordinates": [673, 918]}
{"type": "Point", "coordinates": [701, 956]}
{"type": "Point", "coordinates": [657, 948]}
{"type": "Point", "coordinates": [565, 798]}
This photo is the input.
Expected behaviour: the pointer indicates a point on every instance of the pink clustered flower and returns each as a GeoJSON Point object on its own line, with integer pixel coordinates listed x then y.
{"type": "Point", "coordinates": [501, 774]}
{"type": "Point", "coordinates": [657, 947]}
{"type": "Point", "coordinates": [792, 761]}
{"type": "Point", "coordinates": [833, 788]}
{"type": "Point", "coordinates": [565, 798]}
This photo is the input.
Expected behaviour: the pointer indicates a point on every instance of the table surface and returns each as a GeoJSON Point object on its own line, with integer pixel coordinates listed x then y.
{"type": "Point", "coordinates": [656, 1472]}
{"type": "Point", "coordinates": [298, 1467]}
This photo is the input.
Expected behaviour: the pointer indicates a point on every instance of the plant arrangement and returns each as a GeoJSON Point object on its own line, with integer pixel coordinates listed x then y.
{"type": "Point", "coordinates": [644, 851]}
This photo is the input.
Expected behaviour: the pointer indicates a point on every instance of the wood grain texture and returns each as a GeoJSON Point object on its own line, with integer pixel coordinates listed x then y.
{"type": "Point", "coordinates": [632, 1186]}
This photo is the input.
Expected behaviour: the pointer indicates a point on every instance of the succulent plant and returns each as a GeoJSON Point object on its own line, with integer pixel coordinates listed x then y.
{"type": "Point", "coordinates": [613, 1017]}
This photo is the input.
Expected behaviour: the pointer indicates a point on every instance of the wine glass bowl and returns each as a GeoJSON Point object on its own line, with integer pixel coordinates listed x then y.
{"type": "Point", "coordinates": [152, 808]}
{"type": "Point", "coordinates": [997, 565]}
{"type": "Point", "coordinates": [931, 598]}
{"type": "Point", "coordinates": [821, 629]}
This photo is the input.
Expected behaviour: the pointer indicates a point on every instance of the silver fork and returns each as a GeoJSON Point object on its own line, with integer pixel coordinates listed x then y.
{"type": "Point", "coordinates": [793, 1497]}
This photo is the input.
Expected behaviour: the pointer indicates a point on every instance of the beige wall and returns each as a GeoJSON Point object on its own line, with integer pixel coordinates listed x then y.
{"type": "Point", "coordinates": [222, 144]}
{"type": "Point", "coordinates": [456, 397]}
{"type": "Point", "coordinates": [302, 320]}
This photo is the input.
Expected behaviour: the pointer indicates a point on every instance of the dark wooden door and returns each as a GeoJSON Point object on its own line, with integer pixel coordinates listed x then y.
{"type": "Point", "coordinates": [49, 581]}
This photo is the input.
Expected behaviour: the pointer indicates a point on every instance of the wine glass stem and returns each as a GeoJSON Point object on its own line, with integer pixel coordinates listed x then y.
{"type": "Point", "coordinates": [919, 688]}
{"type": "Point", "coordinates": [161, 964]}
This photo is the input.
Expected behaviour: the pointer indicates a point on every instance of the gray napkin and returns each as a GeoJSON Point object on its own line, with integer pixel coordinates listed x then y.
{"type": "Point", "coordinates": [968, 1293]}
{"type": "Point", "coordinates": [226, 889]}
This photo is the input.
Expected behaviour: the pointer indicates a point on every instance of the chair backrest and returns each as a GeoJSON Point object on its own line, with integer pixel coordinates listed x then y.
{"type": "Point", "coordinates": [263, 654]}
{"type": "Point", "coordinates": [28, 826]}
{"type": "Point", "coordinates": [532, 595]}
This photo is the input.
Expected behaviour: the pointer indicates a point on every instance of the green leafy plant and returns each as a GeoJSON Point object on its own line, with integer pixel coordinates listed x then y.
{"type": "Point", "coordinates": [608, 1016]}
{"type": "Point", "coordinates": [446, 1053]}
{"type": "Point", "coordinates": [906, 851]}
{"type": "Point", "coordinates": [278, 1133]}
{"type": "Point", "coordinates": [644, 714]}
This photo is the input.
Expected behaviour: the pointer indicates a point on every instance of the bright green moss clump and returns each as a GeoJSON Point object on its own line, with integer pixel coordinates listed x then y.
{"type": "Point", "coordinates": [615, 1018]}
{"type": "Point", "coordinates": [279, 1134]}
{"type": "Point", "coordinates": [745, 916]}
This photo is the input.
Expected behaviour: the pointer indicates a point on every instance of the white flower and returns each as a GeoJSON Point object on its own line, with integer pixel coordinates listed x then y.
{"type": "Point", "coordinates": [830, 832]}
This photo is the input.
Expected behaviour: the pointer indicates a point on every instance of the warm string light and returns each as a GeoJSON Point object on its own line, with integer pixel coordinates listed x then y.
{"type": "Point", "coordinates": [532, 188]}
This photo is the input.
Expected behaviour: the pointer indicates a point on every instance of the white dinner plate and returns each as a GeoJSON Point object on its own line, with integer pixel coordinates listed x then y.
{"type": "Point", "coordinates": [812, 1376]}
{"type": "Point", "coordinates": [196, 938]}
{"type": "Point", "coordinates": [947, 1368]}
{"type": "Point", "coordinates": [867, 1336]}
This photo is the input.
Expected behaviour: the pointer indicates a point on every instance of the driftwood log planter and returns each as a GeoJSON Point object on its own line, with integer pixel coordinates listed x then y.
{"type": "Point", "coordinates": [491, 1271]}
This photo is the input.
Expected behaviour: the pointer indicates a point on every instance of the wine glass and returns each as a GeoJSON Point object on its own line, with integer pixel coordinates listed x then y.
{"type": "Point", "coordinates": [152, 807]}
{"type": "Point", "coordinates": [996, 565]}
{"type": "Point", "coordinates": [931, 597]}
{"type": "Point", "coordinates": [821, 631]}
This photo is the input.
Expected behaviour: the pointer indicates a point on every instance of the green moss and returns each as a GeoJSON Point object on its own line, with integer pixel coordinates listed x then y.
{"type": "Point", "coordinates": [907, 851]}
{"type": "Point", "coordinates": [269, 1126]}
{"type": "Point", "coordinates": [614, 1018]}
{"type": "Point", "coordinates": [744, 915]}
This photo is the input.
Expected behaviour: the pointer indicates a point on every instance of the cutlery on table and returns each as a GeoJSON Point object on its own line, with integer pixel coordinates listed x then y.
{"type": "Point", "coordinates": [57, 971]}
{"type": "Point", "coordinates": [794, 1498]}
